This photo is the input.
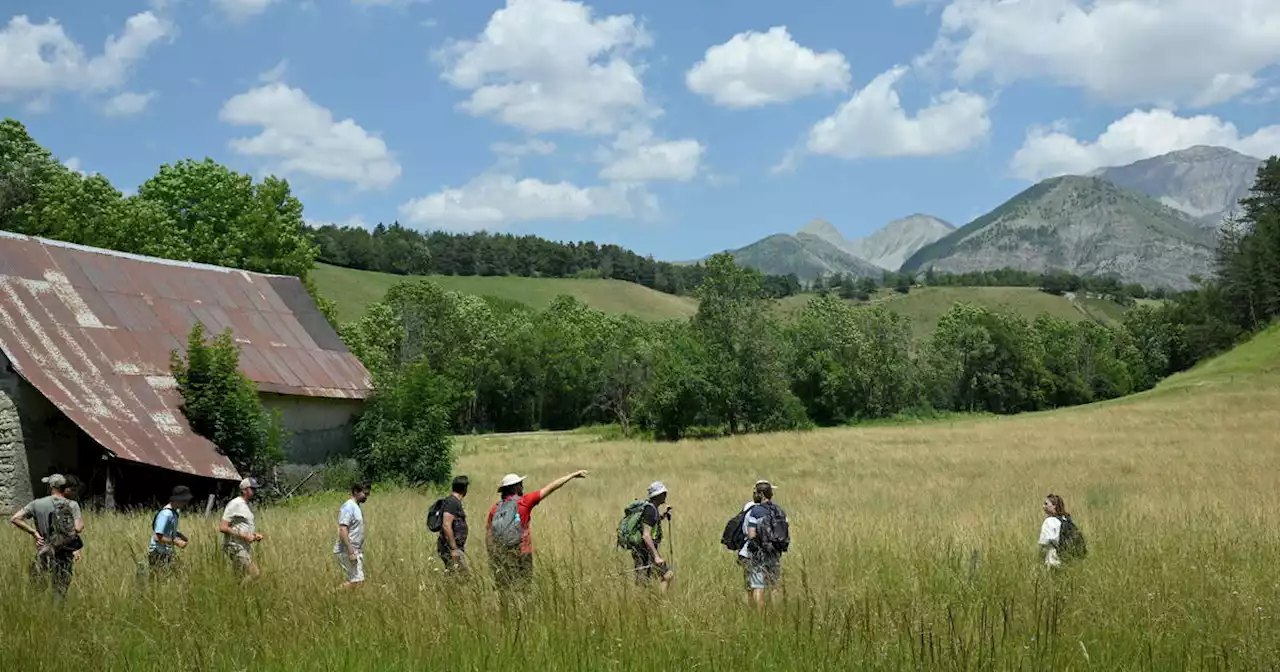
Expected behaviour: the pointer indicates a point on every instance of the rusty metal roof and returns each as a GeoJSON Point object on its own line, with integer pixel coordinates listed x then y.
{"type": "Point", "coordinates": [92, 330]}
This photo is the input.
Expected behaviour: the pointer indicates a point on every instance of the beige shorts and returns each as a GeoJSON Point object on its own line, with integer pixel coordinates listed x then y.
{"type": "Point", "coordinates": [240, 558]}
{"type": "Point", "coordinates": [354, 571]}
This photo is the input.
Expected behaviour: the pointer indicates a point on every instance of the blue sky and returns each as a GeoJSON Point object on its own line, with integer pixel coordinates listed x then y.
{"type": "Point", "coordinates": [674, 129]}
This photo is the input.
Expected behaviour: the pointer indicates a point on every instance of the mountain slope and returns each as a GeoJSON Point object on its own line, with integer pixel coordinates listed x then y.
{"type": "Point", "coordinates": [893, 244]}
{"type": "Point", "coordinates": [805, 254]}
{"type": "Point", "coordinates": [1204, 182]}
{"type": "Point", "coordinates": [1085, 225]}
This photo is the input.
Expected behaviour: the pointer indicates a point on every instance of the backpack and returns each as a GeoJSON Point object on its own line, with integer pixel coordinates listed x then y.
{"type": "Point", "coordinates": [1071, 542]}
{"type": "Point", "coordinates": [505, 528]}
{"type": "Point", "coordinates": [773, 534]}
{"type": "Point", "coordinates": [435, 516]}
{"type": "Point", "coordinates": [62, 527]}
{"type": "Point", "coordinates": [734, 538]}
{"type": "Point", "coordinates": [630, 528]}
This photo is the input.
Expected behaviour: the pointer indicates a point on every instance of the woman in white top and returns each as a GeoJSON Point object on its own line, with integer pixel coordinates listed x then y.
{"type": "Point", "coordinates": [1051, 530]}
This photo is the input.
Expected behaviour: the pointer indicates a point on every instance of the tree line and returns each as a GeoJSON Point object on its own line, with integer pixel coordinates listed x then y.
{"type": "Point", "coordinates": [397, 250]}
{"type": "Point", "coordinates": [1055, 281]}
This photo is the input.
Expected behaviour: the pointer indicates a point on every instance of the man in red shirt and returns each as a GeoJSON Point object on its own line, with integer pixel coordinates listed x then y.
{"type": "Point", "coordinates": [507, 528]}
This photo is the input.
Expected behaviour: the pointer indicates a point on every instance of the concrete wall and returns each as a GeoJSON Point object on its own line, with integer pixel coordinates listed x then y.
{"type": "Point", "coordinates": [36, 439]}
{"type": "Point", "coordinates": [320, 427]}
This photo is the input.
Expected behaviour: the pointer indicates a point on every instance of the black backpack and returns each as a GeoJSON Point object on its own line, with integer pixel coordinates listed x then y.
{"type": "Point", "coordinates": [435, 516]}
{"type": "Point", "coordinates": [773, 534]}
{"type": "Point", "coordinates": [733, 537]}
{"type": "Point", "coordinates": [1071, 542]}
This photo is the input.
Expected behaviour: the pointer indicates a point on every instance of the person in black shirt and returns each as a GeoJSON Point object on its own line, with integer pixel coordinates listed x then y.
{"type": "Point", "coordinates": [648, 559]}
{"type": "Point", "coordinates": [452, 542]}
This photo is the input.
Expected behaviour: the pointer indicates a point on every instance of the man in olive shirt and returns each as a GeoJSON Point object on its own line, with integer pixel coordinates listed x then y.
{"type": "Point", "coordinates": [53, 562]}
{"type": "Point", "coordinates": [452, 542]}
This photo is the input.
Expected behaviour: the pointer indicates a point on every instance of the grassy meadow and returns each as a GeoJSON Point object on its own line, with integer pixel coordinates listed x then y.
{"type": "Point", "coordinates": [353, 290]}
{"type": "Point", "coordinates": [914, 548]}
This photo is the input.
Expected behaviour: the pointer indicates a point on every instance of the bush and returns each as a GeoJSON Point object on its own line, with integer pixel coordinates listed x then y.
{"type": "Point", "coordinates": [222, 404]}
{"type": "Point", "coordinates": [403, 435]}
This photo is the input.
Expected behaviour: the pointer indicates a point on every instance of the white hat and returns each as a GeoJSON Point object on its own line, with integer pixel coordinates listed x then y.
{"type": "Point", "coordinates": [764, 482]}
{"type": "Point", "coordinates": [509, 480]}
{"type": "Point", "coordinates": [55, 480]}
{"type": "Point", "coordinates": [250, 483]}
{"type": "Point", "coordinates": [656, 488]}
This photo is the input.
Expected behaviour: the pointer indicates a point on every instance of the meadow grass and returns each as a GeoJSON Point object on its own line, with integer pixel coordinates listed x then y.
{"type": "Point", "coordinates": [915, 548]}
{"type": "Point", "coordinates": [353, 291]}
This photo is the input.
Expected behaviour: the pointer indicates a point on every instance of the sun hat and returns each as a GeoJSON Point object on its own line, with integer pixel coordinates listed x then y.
{"type": "Point", "coordinates": [656, 488]}
{"type": "Point", "coordinates": [509, 480]}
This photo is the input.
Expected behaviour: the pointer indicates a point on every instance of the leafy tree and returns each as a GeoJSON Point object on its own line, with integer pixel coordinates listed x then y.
{"type": "Point", "coordinates": [222, 404]}
{"type": "Point", "coordinates": [403, 434]}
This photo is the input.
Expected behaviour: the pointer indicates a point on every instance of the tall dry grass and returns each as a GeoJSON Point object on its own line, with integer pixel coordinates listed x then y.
{"type": "Point", "coordinates": [915, 548]}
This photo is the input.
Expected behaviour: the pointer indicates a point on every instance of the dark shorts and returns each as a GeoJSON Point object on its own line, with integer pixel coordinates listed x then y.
{"type": "Point", "coordinates": [512, 570]}
{"type": "Point", "coordinates": [644, 567]}
{"type": "Point", "coordinates": [453, 566]}
{"type": "Point", "coordinates": [58, 567]}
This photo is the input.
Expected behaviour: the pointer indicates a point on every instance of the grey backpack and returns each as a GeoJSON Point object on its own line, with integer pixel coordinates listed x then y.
{"type": "Point", "coordinates": [505, 528]}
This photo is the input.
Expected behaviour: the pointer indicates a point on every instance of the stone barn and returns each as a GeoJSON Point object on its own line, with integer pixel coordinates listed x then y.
{"type": "Point", "coordinates": [85, 381]}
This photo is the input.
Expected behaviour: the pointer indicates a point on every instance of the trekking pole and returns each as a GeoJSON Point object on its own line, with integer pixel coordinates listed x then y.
{"type": "Point", "coordinates": [671, 538]}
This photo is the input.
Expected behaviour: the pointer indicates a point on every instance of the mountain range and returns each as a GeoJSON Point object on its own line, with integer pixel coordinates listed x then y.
{"type": "Point", "coordinates": [1152, 222]}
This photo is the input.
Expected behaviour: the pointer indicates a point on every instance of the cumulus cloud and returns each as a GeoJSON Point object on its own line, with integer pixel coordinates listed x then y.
{"type": "Point", "coordinates": [493, 200]}
{"type": "Point", "coordinates": [240, 10]}
{"type": "Point", "coordinates": [518, 149]}
{"type": "Point", "coordinates": [40, 59]}
{"type": "Point", "coordinates": [1158, 52]}
{"type": "Point", "coordinates": [638, 156]}
{"type": "Point", "coordinates": [550, 65]}
{"type": "Point", "coordinates": [128, 104]}
{"type": "Point", "coordinates": [1049, 152]}
{"type": "Point", "coordinates": [302, 137]}
{"type": "Point", "coordinates": [73, 164]}
{"type": "Point", "coordinates": [754, 69]}
{"type": "Point", "coordinates": [873, 123]}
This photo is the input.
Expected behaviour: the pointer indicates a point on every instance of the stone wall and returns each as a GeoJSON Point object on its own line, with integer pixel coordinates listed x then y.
{"type": "Point", "coordinates": [320, 428]}
{"type": "Point", "coordinates": [15, 477]}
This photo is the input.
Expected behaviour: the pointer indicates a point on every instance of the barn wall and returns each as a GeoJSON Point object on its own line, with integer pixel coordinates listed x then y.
{"type": "Point", "coordinates": [321, 428]}
{"type": "Point", "coordinates": [36, 439]}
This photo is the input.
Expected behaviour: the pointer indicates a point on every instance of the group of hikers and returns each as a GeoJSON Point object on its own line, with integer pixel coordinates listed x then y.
{"type": "Point", "coordinates": [759, 534]}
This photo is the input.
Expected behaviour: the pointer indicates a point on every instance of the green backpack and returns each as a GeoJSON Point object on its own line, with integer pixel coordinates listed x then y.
{"type": "Point", "coordinates": [630, 528]}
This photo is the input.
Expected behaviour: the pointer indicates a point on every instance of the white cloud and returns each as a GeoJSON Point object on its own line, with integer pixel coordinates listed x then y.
{"type": "Point", "coordinates": [127, 104]}
{"type": "Point", "coordinates": [873, 123]}
{"type": "Point", "coordinates": [1139, 135]}
{"type": "Point", "coordinates": [549, 65]}
{"type": "Point", "coordinates": [73, 164]}
{"type": "Point", "coordinates": [240, 10]}
{"type": "Point", "coordinates": [493, 200]}
{"type": "Point", "coordinates": [39, 59]}
{"type": "Point", "coordinates": [533, 146]}
{"type": "Point", "coordinates": [1161, 52]}
{"type": "Point", "coordinates": [637, 156]}
{"type": "Point", "coordinates": [305, 138]}
{"type": "Point", "coordinates": [354, 221]}
{"type": "Point", "coordinates": [275, 74]}
{"type": "Point", "coordinates": [754, 69]}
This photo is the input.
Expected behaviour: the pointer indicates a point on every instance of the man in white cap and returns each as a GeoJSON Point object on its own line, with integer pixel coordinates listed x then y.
{"type": "Point", "coordinates": [649, 561]}
{"type": "Point", "coordinates": [507, 528]}
{"type": "Point", "coordinates": [58, 524]}
{"type": "Point", "coordinates": [239, 532]}
{"type": "Point", "coordinates": [761, 556]}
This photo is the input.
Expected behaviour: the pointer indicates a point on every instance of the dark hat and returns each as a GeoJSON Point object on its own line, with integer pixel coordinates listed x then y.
{"type": "Point", "coordinates": [181, 493]}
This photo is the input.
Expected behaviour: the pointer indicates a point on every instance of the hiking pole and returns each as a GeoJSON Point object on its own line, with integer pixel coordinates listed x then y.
{"type": "Point", "coordinates": [671, 538]}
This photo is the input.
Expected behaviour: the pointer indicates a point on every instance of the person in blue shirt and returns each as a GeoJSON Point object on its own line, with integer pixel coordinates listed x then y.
{"type": "Point", "coordinates": [165, 536]}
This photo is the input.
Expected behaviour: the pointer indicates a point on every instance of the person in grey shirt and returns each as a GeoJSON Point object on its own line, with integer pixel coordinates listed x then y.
{"type": "Point", "coordinates": [57, 548]}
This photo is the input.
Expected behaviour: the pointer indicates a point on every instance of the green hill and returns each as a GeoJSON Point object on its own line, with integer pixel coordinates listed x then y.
{"type": "Point", "coordinates": [354, 290]}
{"type": "Point", "coordinates": [924, 305]}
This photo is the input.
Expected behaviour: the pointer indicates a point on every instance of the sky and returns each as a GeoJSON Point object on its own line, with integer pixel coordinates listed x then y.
{"type": "Point", "coordinates": [675, 129]}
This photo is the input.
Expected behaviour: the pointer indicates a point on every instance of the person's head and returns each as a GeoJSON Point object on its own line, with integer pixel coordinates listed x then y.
{"type": "Point", "coordinates": [460, 485]}
{"type": "Point", "coordinates": [360, 491]}
{"type": "Point", "coordinates": [58, 484]}
{"type": "Point", "coordinates": [657, 493]}
{"type": "Point", "coordinates": [180, 497]}
{"type": "Point", "coordinates": [1053, 505]}
{"type": "Point", "coordinates": [511, 485]}
{"type": "Point", "coordinates": [763, 492]}
{"type": "Point", "coordinates": [249, 488]}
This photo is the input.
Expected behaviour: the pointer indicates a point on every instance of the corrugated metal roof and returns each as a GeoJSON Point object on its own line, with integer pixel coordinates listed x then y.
{"type": "Point", "coordinates": [92, 330]}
